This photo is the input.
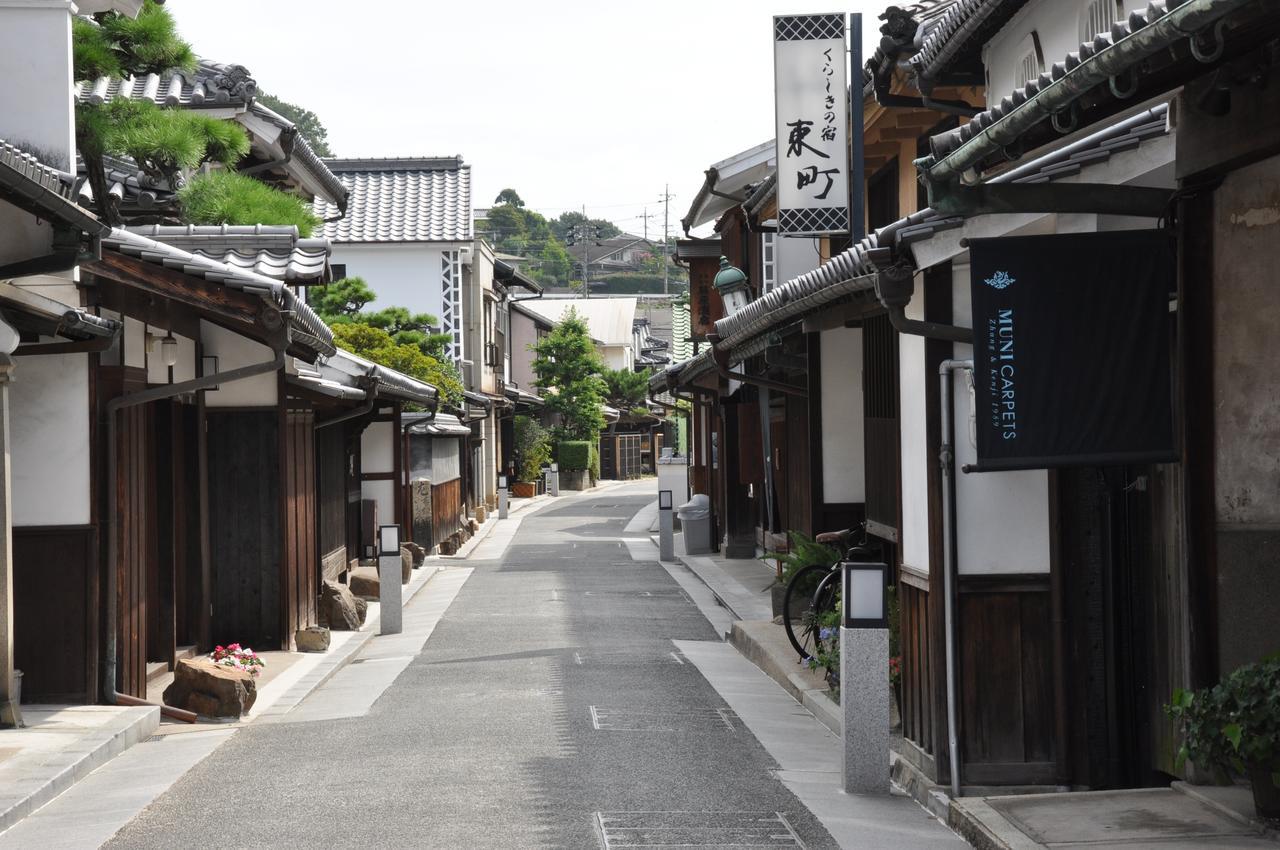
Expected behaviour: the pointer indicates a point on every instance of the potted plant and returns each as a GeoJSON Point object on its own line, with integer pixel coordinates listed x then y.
{"type": "Point", "coordinates": [238, 658]}
{"type": "Point", "coordinates": [804, 551]}
{"type": "Point", "coordinates": [533, 450]}
{"type": "Point", "coordinates": [1234, 728]}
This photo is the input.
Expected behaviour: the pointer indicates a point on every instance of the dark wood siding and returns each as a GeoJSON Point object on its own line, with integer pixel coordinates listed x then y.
{"type": "Point", "coordinates": [244, 526]}
{"type": "Point", "coordinates": [1006, 685]}
{"type": "Point", "coordinates": [883, 436]}
{"type": "Point", "coordinates": [299, 581]}
{"type": "Point", "coordinates": [446, 508]}
{"type": "Point", "coordinates": [796, 481]}
{"type": "Point", "coordinates": [133, 547]}
{"type": "Point", "coordinates": [55, 592]}
{"type": "Point", "coordinates": [919, 708]}
{"type": "Point", "coordinates": [331, 496]}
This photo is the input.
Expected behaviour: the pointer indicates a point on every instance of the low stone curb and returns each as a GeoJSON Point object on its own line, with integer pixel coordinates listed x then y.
{"type": "Point", "coordinates": [973, 817]}
{"type": "Point", "coordinates": [56, 771]}
{"type": "Point", "coordinates": [328, 667]}
{"type": "Point", "coordinates": [783, 669]}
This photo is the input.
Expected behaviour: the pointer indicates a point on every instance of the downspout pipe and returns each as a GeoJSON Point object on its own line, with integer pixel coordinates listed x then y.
{"type": "Point", "coordinates": [721, 358]}
{"type": "Point", "coordinates": [895, 285]}
{"type": "Point", "coordinates": [109, 673]}
{"type": "Point", "coordinates": [946, 460]}
{"type": "Point", "coordinates": [371, 398]}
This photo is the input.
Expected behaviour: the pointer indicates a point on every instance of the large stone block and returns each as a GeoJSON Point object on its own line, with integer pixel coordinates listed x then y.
{"type": "Point", "coordinates": [340, 609]}
{"type": "Point", "coordinates": [864, 696]}
{"type": "Point", "coordinates": [406, 565]}
{"type": "Point", "coordinates": [419, 553]}
{"type": "Point", "coordinates": [420, 493]}
{"type": "Point", "coordinates": [364, 583]}
{"type": "Point", "coordinates": [312, 639]}
{"type": "Point", "coordinates": [211, 690]}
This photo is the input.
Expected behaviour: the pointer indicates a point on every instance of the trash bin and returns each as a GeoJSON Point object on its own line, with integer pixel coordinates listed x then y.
{"type": "Point", "coordinates": [695, 519]}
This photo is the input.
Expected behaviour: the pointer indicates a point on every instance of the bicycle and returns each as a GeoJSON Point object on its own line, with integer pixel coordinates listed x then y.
{"type": "Point", "coordinates": [820, 584]}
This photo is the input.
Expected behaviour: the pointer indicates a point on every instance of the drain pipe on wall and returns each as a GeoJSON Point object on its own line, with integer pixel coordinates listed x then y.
{"type": "Point", "coordinates": [109, 673]}
{"type": "Point", "coordinates": [947, 460]}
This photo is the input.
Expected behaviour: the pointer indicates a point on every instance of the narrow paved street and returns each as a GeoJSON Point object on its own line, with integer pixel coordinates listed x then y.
{"type": "Point", "coordinates": [549, 708]}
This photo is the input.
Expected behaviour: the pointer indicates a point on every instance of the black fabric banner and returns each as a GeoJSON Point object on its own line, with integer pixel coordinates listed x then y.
{"type": "Point", "coordinates": [1071, 349]}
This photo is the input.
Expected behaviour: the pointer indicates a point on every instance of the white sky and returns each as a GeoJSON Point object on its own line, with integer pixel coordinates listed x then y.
{"type": "Point", "coordinates": [569, 103]}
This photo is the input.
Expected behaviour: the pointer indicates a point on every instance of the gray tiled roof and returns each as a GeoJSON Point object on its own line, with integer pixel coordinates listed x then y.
{"type": "Point", "coordinates": [899, 32]}
{"type": "Point", "coordinates": [301, 316]}
{"type": "Point", "coordinates": [136, 192]}
{"type": "Point", "coordinates": [275, 251]}
{"type": "Point", "coordinates": [960, 33]}
{"type": "Point", "coordinates": [401, 200]}
{"type": "Point", "coordinates": [42, 190]}
{"type": "Point", "coordinates": [210, 85]}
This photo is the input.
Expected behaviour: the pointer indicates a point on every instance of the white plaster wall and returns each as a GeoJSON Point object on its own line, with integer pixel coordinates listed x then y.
{"type": "Point", "coordinates": [35, 63]}
{"type": "Point", "coordinates": [914, 382]}
{"type": "Point", "coordinates": [183, 370]}
{"type": "Point", "coordinates": [843, 447]}
{"type": "Point", "coordinates": [1002, 518]}
{"type": "Point", "coordinates": [49, 434]}
{"type": "Point", "coordinates": [403, 275]}
{"type": "Point", "coordinates": [446, 459]}
{"type": "Point", "coordinates": [1059, 26]}
{"type": "Point", "coordinates": [795, 256]}
{"type": "Point", "coordinates": [382, 492]}
{"type": "Point", "coordinates": [616, 356]}
{"type": "Point", "coordinates": [135, 343]}
{"type": "Point", "coordinates": [234, 351]}
{"type": "Point", "coordinates": [376, 443]}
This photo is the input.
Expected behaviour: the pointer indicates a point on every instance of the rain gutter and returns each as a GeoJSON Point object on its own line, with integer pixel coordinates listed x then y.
{"type": "Point", "coordinates": [1077, 76]}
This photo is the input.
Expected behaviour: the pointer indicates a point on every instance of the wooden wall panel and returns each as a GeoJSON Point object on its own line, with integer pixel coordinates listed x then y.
{"type": "Point", "coordinates": [133, 548]}
{"type": "Point", "coordinates": [54, 576]}
{"type": "Point", "coordinates": [446, 508]}
{"type": "Point", "coordinates": [797, 484]}
{"type": "Point", "coordinates": [1006, 687]}
{"type": "Point", "coordinates": [300, 559]}
{"type": "Point", "coordinates": [331, 499]}
{"type": "Point", "coordinates": [245, 526]}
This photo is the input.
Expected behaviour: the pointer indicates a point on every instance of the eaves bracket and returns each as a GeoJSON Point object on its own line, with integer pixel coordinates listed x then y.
{"type": "Point", "coordinates": [1089, 198]}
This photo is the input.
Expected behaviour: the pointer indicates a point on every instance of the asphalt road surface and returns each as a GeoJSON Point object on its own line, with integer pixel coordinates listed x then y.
{"type": "Point", "coordinates": [549, 708]}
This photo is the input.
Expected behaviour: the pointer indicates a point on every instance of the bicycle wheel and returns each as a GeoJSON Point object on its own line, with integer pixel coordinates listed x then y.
{"type": "Point", "coordinates": [798, 619]}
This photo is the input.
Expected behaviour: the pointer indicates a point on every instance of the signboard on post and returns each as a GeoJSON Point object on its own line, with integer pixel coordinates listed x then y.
{"type": "Point", "coordinates": [811, 96]}
{"type": "Point", "coordinates": [1071, 337]}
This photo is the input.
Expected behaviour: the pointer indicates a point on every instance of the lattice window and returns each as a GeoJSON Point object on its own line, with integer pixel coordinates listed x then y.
{"type": "Point", "coordinates": [1030, 60]}
{"type": "Point", "coordinates": [1098, 16]}
{"type": "Point", "coordinates": [769, 260]}
{"type": "Point", "coordinates": [451, 299]}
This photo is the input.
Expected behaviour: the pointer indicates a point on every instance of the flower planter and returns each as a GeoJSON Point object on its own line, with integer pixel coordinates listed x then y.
{"type": "Point", "coordinates": [1266, 795]}
{"type": "Point", "coordinates": [524, 489]}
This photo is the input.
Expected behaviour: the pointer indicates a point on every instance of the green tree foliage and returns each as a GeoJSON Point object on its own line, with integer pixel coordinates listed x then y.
{"type": "Point", "coordinates": [228, 197]}
{"type": "Point", "coordinates": [626, 389]}
{"type": "Point", "coordinates": [162, 141]}
{"type": "Point", "coordinates": [377, 345]}
{"type": "Point", "coordinates": [307, 122]}
{"type": "Point", "coordinates": [533, 448]}
{"type": "Point", "coordinates": [340, 300]}
{"type": "Point", "coordinates": [569, 369]}
{"type": "Point", "coordinates": [509, 197]}
{"type": "Point", "coordinates": [564, 223]}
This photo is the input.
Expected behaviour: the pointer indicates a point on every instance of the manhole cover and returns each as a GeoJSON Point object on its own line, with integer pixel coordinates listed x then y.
{"type": "Point", "coordinates": [631, 720]}
{"type": "Point", "coordinates": [696, 829]}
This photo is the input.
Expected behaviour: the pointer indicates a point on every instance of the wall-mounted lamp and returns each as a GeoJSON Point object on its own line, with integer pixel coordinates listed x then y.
{"type": "Point", "coordinates": [169, 350]}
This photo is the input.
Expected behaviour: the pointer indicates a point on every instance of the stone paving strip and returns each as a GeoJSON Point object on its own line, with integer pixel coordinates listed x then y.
{"type": "Point", "coordinates": [808, 757]}
{"type": "Point", "coordinates": [60, 746]}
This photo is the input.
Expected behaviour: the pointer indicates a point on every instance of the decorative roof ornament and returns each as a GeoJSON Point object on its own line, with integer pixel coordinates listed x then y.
{"type": "Point", "coordinates": [233, 82]}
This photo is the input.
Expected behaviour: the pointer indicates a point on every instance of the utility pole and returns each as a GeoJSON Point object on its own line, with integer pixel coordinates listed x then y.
{"type": "Point", "coordinates": [666, 212]}
{"type": "Point", "coordinates": [583, 233]}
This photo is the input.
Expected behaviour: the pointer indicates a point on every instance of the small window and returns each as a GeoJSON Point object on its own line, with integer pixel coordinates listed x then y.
{"type": "Point", "coordinates": [1098, 16]}
{"type": "Point", "coordinates": [1030, 60]}
{"type": "Point", "coordinates": [767, 261]}
{"type": "Point", "coordinates": [339, 270]}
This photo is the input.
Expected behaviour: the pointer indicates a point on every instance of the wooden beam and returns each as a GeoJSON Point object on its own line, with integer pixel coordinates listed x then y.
{"type": "Point", "coordinates": [901, 134]}
{"type": "Point", "coordinates": [881, 149]}
{"type": "Point", "coordinates": [239, 310]}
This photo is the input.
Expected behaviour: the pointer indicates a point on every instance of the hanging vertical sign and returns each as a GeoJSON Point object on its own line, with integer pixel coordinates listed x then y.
{"type": "Point", "coordinates": [811, 97]}
{"type": "Point", "coordinates": [1071, 337]}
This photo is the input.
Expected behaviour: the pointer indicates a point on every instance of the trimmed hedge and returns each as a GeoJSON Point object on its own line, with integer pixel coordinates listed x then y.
{"type": "Point", "coordinates": [574, 454]}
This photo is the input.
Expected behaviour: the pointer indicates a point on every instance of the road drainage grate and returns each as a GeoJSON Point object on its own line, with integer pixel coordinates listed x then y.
{"type": "Point", "coordinates": [629, 720]}
{"type": "Point", "coordinates": [628, 658]}
{"type": "Point", "coordinates": [695, 829]}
